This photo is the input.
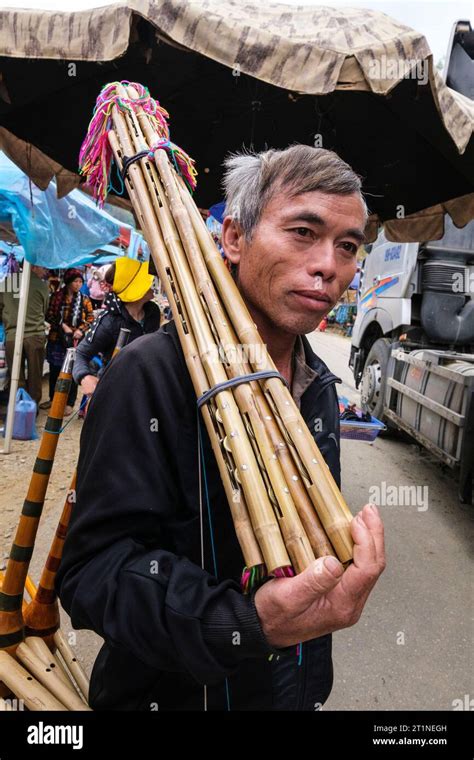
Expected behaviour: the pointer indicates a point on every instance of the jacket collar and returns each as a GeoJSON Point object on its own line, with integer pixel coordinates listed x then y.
{"type": "Point", "coordinates": [313, 361]}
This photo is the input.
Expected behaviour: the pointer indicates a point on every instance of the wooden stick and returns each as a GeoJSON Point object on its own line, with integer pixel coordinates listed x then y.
{"type": "Point", "coordinates": [45, 675]}
{"type": "Point", "coordinates": [22, 684]}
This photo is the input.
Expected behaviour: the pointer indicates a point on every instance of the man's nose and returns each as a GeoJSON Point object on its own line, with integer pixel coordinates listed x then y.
{"type": "Point", "coordinates": [322, 260]}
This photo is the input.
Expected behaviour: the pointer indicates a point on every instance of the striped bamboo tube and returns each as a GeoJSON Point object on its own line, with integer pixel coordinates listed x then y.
{"type": "Point", "coordinates": [11, 594]}
{"type": "Point", "coordinates": [41, 617]}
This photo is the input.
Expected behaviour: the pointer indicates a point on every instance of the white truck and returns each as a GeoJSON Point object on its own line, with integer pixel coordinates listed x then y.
{"type": "Point", "coordinates": [412, 349]}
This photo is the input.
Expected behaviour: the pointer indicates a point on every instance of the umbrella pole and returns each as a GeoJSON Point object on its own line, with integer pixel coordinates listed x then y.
{"type": "Point", "coordinates": [17, 354]}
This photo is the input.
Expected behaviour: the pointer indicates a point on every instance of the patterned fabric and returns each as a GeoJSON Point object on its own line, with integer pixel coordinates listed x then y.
{"type": "Point", "coordinates": [76, 311]}
{"type": "Point", "coordinates": [308, 49]}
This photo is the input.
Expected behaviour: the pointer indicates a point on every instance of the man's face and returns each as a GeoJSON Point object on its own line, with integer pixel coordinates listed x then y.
{"type": "Point", "coordinates": [301, 258]}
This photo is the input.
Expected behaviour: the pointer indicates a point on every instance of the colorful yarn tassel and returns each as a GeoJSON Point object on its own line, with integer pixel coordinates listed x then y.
{"type": "Point", "coordinates": [96, 158]}
{"type": "Point", "coordinates": [252, 577]}
{"type": "Point", "coordinates": [183, 164]}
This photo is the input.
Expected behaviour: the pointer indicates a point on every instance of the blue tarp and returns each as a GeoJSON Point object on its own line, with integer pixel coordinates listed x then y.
{"type": "Point", "coordinates": [53, 233]}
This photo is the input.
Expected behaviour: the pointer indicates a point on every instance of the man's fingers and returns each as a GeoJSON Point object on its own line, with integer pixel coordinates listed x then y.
{"type": "Point", "coordinates": [372, 519]}
{"type": "Point", "coordinates": [318, 579]}
{"type": "Point", "coordinates": [365, 553]}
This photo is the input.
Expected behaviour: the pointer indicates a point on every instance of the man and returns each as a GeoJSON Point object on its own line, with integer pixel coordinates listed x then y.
{"type": "Point", "coordinates": [179, 633]}
{"type": "Point", "coordinates": [35, 335]}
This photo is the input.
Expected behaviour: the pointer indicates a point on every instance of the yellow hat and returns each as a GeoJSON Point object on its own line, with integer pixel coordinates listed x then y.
{"type": "Point", "coordinates": [131, 280]}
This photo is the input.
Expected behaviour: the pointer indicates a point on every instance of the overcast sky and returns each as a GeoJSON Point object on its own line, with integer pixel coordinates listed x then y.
{"type": "Point", "coordinates": [433, 18]}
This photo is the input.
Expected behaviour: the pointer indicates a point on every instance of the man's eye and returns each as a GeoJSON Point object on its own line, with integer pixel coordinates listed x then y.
{"type": "Point", "coordinates": [303, 231]}
{"type": "Point", "coordinates": [351, 247]}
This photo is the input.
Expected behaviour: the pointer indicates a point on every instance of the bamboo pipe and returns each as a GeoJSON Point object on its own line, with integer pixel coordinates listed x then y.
{"type": "Point", "coordinates": [11, 595]}
{"type": "Point", "coordinates": [50, 680]}
{"type": "Point", "coordinates": [264, 523]}
{"type": "Point", "coordinates": [72, 663]}
{"type": "Point", "coordinates": [21, 683]}
{"type": "Point", "coordinates": [41, 650]}
{"type": "Point", "coordinates": [326, 497]}
{"type": "Point", "coordinates": [41, 617]}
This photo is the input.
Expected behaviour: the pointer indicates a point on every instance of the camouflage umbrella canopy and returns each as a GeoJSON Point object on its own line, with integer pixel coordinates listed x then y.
{"type": "Point", "coordinates": [241, 74]}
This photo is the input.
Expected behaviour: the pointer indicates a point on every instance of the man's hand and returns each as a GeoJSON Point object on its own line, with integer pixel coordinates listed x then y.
{"type": "Point", "coordinates": [88, 384]}
{"type": "Point", "coordinates": [78, 334]}
{"type": "Point", "coordinates": [323, 599]}
{"type": "Point", "coordinates": [66, 328]}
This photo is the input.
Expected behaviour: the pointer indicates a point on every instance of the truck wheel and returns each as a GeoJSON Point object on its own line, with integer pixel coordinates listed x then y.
{"type": "Point", "coordinates": [373, 381]}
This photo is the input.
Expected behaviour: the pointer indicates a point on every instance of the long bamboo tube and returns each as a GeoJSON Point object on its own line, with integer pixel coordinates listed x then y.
{"type": "Point", "coordinates": [50, 680]}
{"type": "Point", "coordinates": [11, 595]}
{"type": "Point", "coordinates": [21, 683]}
{"type": "Point", "coordinates": [41, 617]}
{"type": "Point", "coordinates": [41, 650]}
{"type": "Point", "coordinates": [72, 663]}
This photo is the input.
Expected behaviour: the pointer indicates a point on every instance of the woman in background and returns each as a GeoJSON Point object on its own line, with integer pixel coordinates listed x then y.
{"type": "Point", "coordinates": [70, 315]}
{"type": "Point", "coordinates": [129, 305]}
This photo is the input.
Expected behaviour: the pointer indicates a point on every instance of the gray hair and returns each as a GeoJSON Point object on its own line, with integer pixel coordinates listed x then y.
{"type": "Point", "coordinates": [251, 180]}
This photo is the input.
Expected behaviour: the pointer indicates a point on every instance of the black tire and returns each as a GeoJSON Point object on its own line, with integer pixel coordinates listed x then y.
{"type": "Point", "coordinates": [374, 380]}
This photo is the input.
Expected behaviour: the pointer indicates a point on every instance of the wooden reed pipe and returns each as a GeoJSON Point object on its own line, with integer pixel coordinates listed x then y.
{"type": "Point", "coordinates": [11, 595]}
{"type": "Point", "coordinates": [72, 663]}
{"type": "Point", "coordinates": [22, 684]}
{"type": "Point", "coordinates": [41, 650]}
{"type": "Point", "coordinates": [41, 617]}
{"type": "Point", "coordinates": [47, 676]}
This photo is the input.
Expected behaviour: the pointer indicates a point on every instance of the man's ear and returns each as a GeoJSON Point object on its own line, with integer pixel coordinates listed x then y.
{"type": "Point", "coordinates": [232, 239]}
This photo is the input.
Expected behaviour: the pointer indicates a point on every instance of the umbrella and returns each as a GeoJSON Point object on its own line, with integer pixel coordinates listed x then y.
{"type": "Point", "coordinates": [242, 75]}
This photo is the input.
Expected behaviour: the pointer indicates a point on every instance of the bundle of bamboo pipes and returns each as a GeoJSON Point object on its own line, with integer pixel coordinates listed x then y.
{"type": "Point", "coordinates": [286, 507]}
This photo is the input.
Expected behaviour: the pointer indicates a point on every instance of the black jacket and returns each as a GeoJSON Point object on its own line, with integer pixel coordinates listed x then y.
{"type": "Point", "coordinates": [131, 568]}
{"type": "Point", "coordinates": [102, 336]}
